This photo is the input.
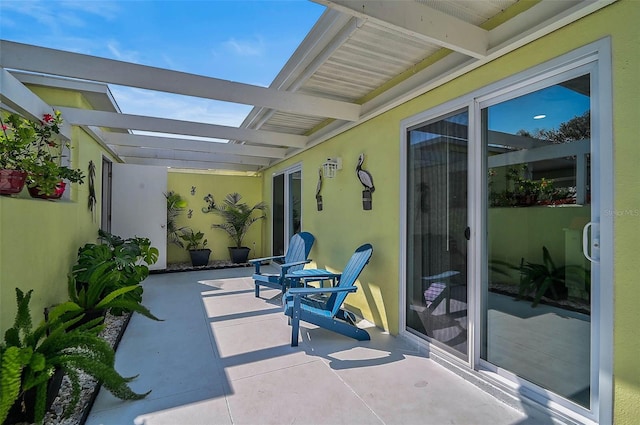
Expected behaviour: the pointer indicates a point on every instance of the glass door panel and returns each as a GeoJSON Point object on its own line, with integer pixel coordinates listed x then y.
{"type": "Point", "coordinates": [536, 303]}
{"type": "Point", "coordinates": [287, 208]}
{"type": "Point", "coordinates": [295, 195]}
{"type": "Point", "coordinates": [277, 244]}
{"type": "Point", "coordinates": [437, 232]}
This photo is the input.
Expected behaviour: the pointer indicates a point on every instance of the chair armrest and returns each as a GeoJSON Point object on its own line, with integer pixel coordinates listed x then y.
{"type": "Point", "coordinates": [259, 260]}
{"type": "Point", "coordinates": [286, 266]}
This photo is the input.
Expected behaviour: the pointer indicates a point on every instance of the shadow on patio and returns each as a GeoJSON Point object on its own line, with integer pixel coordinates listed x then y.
{"type": "Point", "coordinates": [222, 356]}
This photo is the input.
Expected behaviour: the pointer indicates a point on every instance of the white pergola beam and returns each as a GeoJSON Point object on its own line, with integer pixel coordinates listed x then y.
{"type": "Point", "coordinates": [134, 140]}
{"type": "Point", "coordinates": [50, 61]}
{"type": "Point", "coordinates": [419, 20]}
{"type": "Point", "coordinates": [18, 97]}
{"type": "Point", "coordinates": [163, 125]}
{"type": "Point", "coordinates": [172, 154]}
{"type": "Point", "coordinates": [198, 165]}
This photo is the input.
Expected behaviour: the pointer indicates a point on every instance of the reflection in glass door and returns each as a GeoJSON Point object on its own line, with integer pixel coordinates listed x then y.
{"type": "Point", "coordinates": [287, 196]}
{"type": "Point", "coordinates": [437, 232]}
{"type": "Point", "coordinates": [536, 300]}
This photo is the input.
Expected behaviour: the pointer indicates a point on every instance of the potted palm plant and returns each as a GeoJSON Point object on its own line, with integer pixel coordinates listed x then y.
{"type": "Point", "coordinates": [237, 218]}
{"type": "Point", "coordinates": [175, 206]}
{"type": "Point", "coordinates": [197, 247]}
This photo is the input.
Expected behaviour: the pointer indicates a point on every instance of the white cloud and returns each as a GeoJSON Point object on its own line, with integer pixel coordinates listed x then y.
{"type": "Point", "coordinates": [122, 55]}
{"type": "Point", "coordinates": [254, 47]}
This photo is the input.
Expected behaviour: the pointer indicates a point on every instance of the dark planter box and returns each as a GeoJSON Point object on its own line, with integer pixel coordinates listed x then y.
{"type": "Point", "coordinates": [23, 410]}
{"type": "Point", "coordinates": [199, 257]}
{"type": "Point", "coordinates": [239, 255]}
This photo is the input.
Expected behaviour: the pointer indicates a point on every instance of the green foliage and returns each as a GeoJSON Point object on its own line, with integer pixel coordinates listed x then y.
{"type": "Point", "coordinates": [175, 206]}
{"type": "Point", "coordinates": [113, 270]}
{"type": "Point", "coordinates": [193, 240]}
{"type": "Point", "coordinates": [34, 354]}
{"type": "Point", "coordinates": [237, 216]}
{"type": "Point", "coordinates": [15, 141]}
{"type": "Point", "coordinates": [546, 279]}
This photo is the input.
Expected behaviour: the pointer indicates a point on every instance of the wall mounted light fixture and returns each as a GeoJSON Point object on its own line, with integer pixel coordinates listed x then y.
{"type": "Point", "coordinates": [330, 166]}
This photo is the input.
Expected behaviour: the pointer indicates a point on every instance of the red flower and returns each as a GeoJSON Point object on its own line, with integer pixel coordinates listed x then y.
{"type": "Point", "coordinates": [47, 117]}
{"type": "Point", "coordinates": [4, 127]}
{"type": "Point", "coordinates": [52, 144]}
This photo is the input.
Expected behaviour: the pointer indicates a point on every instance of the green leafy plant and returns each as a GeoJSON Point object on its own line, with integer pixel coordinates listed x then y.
{"type": "Point", "coordinates": [175, 206]}
{"type": "Point", "coordinates": [36, 147]}
{"type": "Point", "coordinates": [29, 358]}
{"type": "Point", "coordinates": [193, 240]}
{"type": "Point", "coordinates": [237, 216]}
{"type": "Point", "coordinates": [128, 259]}
{"type": "Point", "coordinates": [546, 279]}
{"type": "Point", "coordinates": [94, 297]}
{"type": "Point", "coordinates": [15, 140]}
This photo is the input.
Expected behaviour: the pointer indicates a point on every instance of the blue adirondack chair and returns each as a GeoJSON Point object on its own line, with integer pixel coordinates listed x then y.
{"type": "Point", "coordinates": [295, 259]}
{"type": "Point", "coordinates": [299, 303]}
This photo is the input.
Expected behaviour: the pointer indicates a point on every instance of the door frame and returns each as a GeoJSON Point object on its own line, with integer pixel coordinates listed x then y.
{"type": "Point", "coordinates": [287, 199]}
{"type": "Point", "coordinates": [598, 56]}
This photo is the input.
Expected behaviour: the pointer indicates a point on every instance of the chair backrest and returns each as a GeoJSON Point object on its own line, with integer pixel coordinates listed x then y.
{"type": "Point", "coordinates": [350, 274]}
{"type": "Point", "coordinates": [298, 250]}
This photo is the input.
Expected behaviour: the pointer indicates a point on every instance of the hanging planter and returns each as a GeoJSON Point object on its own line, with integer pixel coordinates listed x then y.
{"type": "Point", "coordinates": [12, 181]}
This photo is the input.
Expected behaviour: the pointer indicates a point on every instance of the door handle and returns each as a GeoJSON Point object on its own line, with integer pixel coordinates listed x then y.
{"type": "Point", "coordinates": [467, 233]}
{"type": "Point", "coordinates": [595, 244]}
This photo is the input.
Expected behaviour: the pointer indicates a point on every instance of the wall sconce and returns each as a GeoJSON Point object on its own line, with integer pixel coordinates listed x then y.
{"type": "Point", "coordinates": [330, 166]}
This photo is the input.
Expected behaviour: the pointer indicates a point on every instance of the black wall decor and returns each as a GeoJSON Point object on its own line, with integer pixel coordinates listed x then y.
{"type": "Point", "coordinates": [318, 189]}
{"type": "Point", "coordinates": [92, 190]}
{"type": "Point", "coordinates": [367, 181]}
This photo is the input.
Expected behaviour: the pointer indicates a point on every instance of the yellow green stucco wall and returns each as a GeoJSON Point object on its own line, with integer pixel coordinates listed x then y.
{"type": "Point", "coordinates": [39, 239]}
{"type": "Point", "coordinates": [250, 187]}
{"type": "Point", "coordinates": [343, 225]}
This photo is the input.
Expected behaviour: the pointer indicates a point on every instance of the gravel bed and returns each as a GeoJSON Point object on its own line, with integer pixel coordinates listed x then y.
{"type": "Point", "coordinates": [215, 264]}
{"type": "Point", "coordinates": [114, 327]}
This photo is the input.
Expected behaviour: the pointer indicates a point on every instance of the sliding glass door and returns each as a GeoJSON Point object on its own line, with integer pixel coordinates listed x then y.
{"type": "Point", "coordinates": [503, 245]}
{"type": "Point", "coordinates": [536, 316]}
{"type": "Point", "coordinates": [437, 231]}
{"type": "Point", "coordinates": [287, 208]}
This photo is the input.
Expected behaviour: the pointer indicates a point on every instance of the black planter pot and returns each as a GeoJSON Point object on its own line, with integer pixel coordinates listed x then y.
{"type": "Point", "coordinates": [199, 257]}
{"type": "Point", "coordinates": [23, 410]}
{"type": "Point", "coordinates": [239, 255]}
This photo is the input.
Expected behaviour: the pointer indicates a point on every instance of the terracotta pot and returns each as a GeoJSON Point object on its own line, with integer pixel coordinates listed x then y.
{"type": "Point", "coordinates": [35, 192]}
{"type": "Point", "coordinates": [11, 181]}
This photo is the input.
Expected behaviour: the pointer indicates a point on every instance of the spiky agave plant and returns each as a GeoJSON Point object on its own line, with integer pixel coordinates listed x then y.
{"type": "Point", "coordinates": [29, 358]}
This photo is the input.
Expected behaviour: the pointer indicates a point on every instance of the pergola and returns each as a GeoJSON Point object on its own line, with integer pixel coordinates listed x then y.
{"type": "Point", "coordinates": [361, 59]}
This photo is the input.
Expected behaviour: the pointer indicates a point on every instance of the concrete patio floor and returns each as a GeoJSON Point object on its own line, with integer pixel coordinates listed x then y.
{"type": "Point", "coordinates": [222, 356]}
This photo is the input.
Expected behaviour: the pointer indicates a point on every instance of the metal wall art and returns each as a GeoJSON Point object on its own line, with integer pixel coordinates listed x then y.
{"type": "Point", "coordinates": [92, 190]}
{"type": "Point", "coordinates": [367, 181]}
{"type": "Point", "coordinates": [318, 189]}
{"type": "Point", "coordinates": [193, 190]}
{"type": "Point", "coordinates": [190, 214]}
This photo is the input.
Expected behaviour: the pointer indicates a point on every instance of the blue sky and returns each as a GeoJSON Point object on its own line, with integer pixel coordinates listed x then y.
{"type": "Point", "coordinates": [245, 41]}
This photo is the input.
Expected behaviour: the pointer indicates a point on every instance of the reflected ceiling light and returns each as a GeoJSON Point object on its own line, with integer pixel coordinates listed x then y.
{"type": "Point", "coordinates": [539, 117]}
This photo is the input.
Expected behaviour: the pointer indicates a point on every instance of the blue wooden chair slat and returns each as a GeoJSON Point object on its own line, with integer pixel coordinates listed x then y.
{"type": "Point", "coordinates": [295, 259]}
{"type": "Point", "coordinates": [299, 305]}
